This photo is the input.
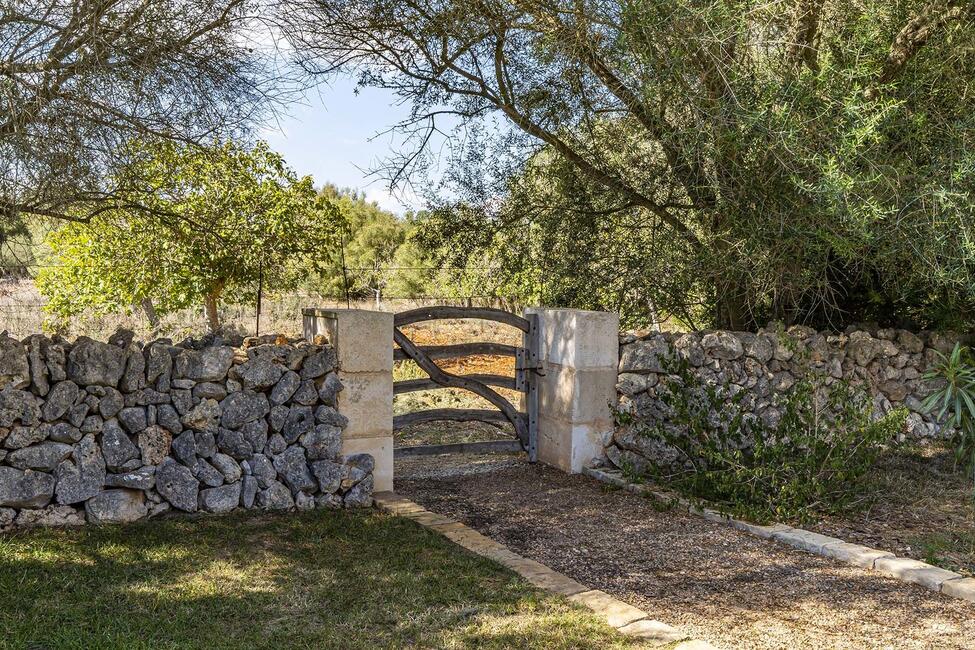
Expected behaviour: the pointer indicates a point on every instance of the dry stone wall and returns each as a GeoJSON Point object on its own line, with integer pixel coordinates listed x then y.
{"type": "Point", "coordinates": [114, 432]}
{"type": "Point", "coordinates": [887, 363]}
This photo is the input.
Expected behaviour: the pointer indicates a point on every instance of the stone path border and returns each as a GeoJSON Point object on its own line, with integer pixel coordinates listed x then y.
{"type": "Point", "coordinates": [904, 569]}
{"type": "Point", "coordinates": [626, 618]}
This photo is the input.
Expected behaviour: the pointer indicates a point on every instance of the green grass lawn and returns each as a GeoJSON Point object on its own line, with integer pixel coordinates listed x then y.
{"type": "Point", "coordinates": [323, 579]}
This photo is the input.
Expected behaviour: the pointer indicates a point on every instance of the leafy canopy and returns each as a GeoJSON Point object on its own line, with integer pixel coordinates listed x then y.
{"type": "Point", "coordinates": [232, 216]}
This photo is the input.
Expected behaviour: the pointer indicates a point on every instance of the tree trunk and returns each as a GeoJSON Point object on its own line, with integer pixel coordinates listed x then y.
{"type": "Point", "coordinates": [210, 302]}
{"type": "Point", "coordinates": [150, 311]}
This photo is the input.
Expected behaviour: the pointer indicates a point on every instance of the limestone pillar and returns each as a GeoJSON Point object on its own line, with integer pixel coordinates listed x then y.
{"type": "Point", "coordinates": [363, 341]}
{"type": "Point", "coordinates": [579, 352]}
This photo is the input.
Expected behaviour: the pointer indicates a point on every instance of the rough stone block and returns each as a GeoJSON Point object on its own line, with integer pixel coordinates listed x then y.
{"type": "Point", "coordinates": [615, 612]}
{"type": "Point", "coordinates": [381, 449]}
{"type": "Point", "coordinates": [362, 338]}
{"type": "Point", "coordinates": [964, 588]}
{"type": "Point", "coordinates": [914, 571]}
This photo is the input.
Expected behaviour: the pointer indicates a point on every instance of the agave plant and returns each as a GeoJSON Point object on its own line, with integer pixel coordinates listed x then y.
{"type": "Point", "coordinates": [954, 401]}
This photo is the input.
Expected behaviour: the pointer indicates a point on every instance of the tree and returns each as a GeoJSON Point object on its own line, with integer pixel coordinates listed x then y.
{"type": "Point", "coordinates": [80, 78]}
{"type": "Point", "coordinates": [238, 217]}
{"type": "Point", "coordinates": [796, 160]}
{"type": "Point", "coordinates": [370, 238]}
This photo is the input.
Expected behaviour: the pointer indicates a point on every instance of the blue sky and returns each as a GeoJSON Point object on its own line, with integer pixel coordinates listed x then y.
{"type": "Point", "coordinates": [333, 137]}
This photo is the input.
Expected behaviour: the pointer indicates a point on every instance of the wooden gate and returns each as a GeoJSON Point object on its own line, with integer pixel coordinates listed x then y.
{"type": "Point", "coordinates": [527, 368]}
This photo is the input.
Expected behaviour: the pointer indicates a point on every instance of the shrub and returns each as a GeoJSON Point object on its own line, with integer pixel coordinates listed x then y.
{"type": "Point", "coordinates": [954, 400]}
{"type": "Point", "coordinates": [815, 458]}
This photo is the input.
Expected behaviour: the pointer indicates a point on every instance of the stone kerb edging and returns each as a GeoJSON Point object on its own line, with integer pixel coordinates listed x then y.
{"type": "Point", "coordinates": [904, 569]}
{"type": "Point", "coordinates": [626, 618]}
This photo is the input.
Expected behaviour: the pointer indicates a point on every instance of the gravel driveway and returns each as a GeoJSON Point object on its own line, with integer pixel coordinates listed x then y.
{"type": "Point", "coordinates": [715, 583]}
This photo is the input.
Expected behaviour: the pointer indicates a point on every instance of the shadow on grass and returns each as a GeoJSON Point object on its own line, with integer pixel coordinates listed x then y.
{"type": "Point", "coordinates": [321, 579]}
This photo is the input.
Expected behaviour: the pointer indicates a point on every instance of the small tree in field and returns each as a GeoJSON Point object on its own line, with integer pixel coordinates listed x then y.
{"type": "Point", "coordinates": [233, 216]}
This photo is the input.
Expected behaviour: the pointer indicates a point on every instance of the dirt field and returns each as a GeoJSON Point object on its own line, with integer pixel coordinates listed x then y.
{"type": "Point", "coordinates": [714, 583]}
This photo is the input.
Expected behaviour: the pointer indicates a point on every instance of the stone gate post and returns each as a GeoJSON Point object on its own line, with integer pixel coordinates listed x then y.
{"type": "Point", "coordinates": [363, 341]}
{"type": "Point", "coordinates": [579, 352]}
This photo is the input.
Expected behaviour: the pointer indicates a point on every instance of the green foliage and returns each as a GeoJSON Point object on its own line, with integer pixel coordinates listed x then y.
{"type": "Point", "coordinates": [378, 252]}
{"type": "Point", "coordinates": [954, 400]}
{"type": "Point", "coordinates": [726, 165]}
{"type": "Point", "coordinates": [816, 458]}
{"type": "Point", "coordinates": [203, 224]}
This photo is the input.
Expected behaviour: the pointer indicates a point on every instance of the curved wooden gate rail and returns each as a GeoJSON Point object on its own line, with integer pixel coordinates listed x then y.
{"type": "Point", "coordinates": [525, 379]}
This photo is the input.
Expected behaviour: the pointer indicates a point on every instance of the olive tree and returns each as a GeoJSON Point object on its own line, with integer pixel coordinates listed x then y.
{"type": "Point", "coordinates": [80, 78]}
{"type": "Point", "coordinates": [234, 217]}
{"type": "Point", "coordinates": [795, 159]}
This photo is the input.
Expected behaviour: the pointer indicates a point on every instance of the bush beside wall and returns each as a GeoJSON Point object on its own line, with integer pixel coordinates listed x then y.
{"type": "Point", "coordinates": [114, 432]}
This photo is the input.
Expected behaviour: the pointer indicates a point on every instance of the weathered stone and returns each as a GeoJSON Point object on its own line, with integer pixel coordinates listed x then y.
{"type": "Point", "coordinates": [629, 384]}
{"type": "Point", "coordinates": [276, 444]}
{"type": "Point", "coordinates": [119, 506]}
{"type": "Point", "coordinates": [146, 396]}
{"type": "Point", "coordinates": [58, 516]}
{"type": "Point", "coordinates": [248, 491]}
{"type": "Point", "coordinates": [182, 400]}
{"type": "Point", "coordinates": [300, 421]}
{"type": "Point", "coordinates": [143, 478]}
{"type": "Point", "coordinates": [329, 474]}
{"type": "Point", "coordinates": [360, 496]}
{"type": "Point", "coordinates": [203, 416]}
{"type": "Point", "coordinates": [318, 364]}
{"type": "Point", "coordinates": [63, 432]}
{"type": "Point", "coordinates": [77, 414]}
{"type": "Point", "coordinates": [154, 443]}
{"type": "Point", "coordinates": [255, 433]}
{"type": "Point", "coordinates": [277, 417]}
{"type": "Point", "coordinates": [329, 501]}
{"type": "Point", "coordinates": [365, 462]}
{"type": "Point", "coordinates": [329, 390]}
{"type": "Point", "coordinates": [262, 470]}
{"type": "Point", "coordinates": [220, 500]}
{"type": "Point", "coordinates": [722, 345]}
{"type": "Point", "coordinates": [760, 347]}
{"type": "Point", "coordinates": [184, 449]}
{"type": "Point", "coordinates": [82, 479]}
{"type": "Point", "coordinates": [184, 384]}
{"type": "Point", "coordinates": [896, 391]}
{"type": "Point", "coordinates": [20, 437]}
{"type": "Point", "coordinates": [208, 364]}
{"type": "Point", "coordinates": [44, 457]}
{"type": "Point", "coordinates": [134, 377]}
{"type": "Point", "coordinates": [168, 418]}
{"type": "Point", "coordinates": [257, 374]}
{"type": "Point", "coordinates": [206, 443]}
{"type": "Point", "coordinates": [36, 348]}
{"type": "Point", "coordinates": [862, 348]}
{"type": "Point", "coordinates": [243, 407]}
{"type": "Point", "coordinates": [323, 443]}
{"type": "Point", "coordinates": [25, 489]}
{"type": "Point", "coordinates": [304, 501]}
{"type": "Point", "coordinates": [133, 419]}
{"type": "Point", "coordinates": [227, 466]}
{"type": "Point", "coordinates": [910, 342]}
{"type": "Point", "coordinates": [207, 473]}
{"type": "Point", "coordinates": [285, 388]}
{"type": "Point", "coordinates": [306, 395]}
{"type": "Point", "coordinates": [644, 356]}
{"type": "Point", "coordinates": [117, 447]}
{"type": "Point", "coordinates": [328, 415]}
{"type": "Point", "coordinates": [110, 405]}
{"type": "Point", "coordinates": [92, 362]}
{"type": "Point", "coordinates": [121, 338]}
{"type": "Point", "coordinates": [7, 516]}
{"type": "Point", "coordinates": [14, 366]}
{"type": "Point", "coordinates": [275, 497]}
{"type": "Point", "coordinates": [92, 424]}
{"type": "Point", "coordinates": [209, 390]}
{"type": "Point", "coordinates": [292, 467]}
{"type": "Point", "coordinates": [234, 444]}
{"type": "Point", "coordinates": [56, 358]}
{"type": "Point", "coordinates": [177, 485]}
{"type": "Point", "coordinates": [159, 365]}
{"type": "Point", "coordinates": [18, 406]}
